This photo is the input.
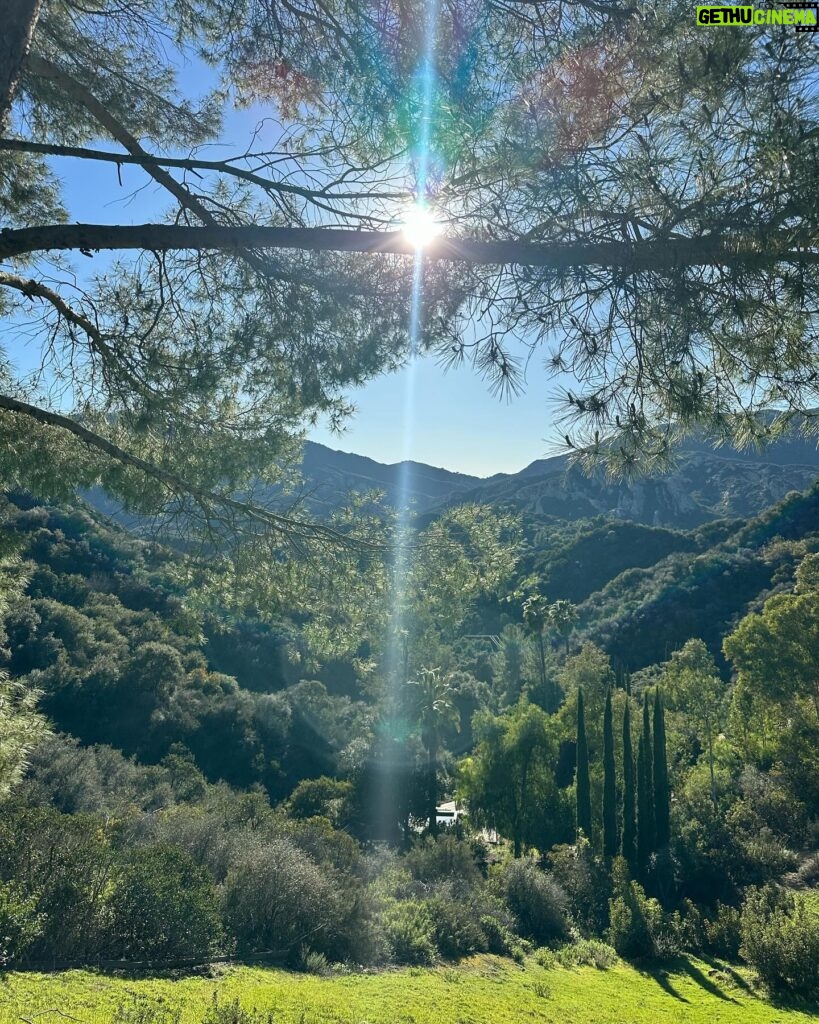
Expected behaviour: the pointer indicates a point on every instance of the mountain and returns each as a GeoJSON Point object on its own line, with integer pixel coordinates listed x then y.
{"type": "Point", "coordinates": [705, 485]}
{"type": "Point", "coordinates": [330, 475]}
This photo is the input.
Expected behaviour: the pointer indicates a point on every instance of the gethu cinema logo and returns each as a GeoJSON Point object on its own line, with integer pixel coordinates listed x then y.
{"type": "Point", "coordinates": [803, 18]}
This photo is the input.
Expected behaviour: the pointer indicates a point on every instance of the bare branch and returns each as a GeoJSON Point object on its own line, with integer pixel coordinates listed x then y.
{"type": "Point", "coordinates": [320, 196]}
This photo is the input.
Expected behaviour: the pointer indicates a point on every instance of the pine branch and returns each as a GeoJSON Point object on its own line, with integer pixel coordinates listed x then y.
{"type": "Point", "coordinates": [295, 531]}
{"type": "Point", "coordinates": [729, 250]}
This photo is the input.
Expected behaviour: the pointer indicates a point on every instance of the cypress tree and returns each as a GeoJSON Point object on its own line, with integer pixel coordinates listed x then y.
{"type": "Point", "coordinates": [648, 753]}
{"type": "Point", "coordinates": [643, 808]}
{"type": "Point", "coordinates": [609, 784]}
{"type": "Point", "coordinates": [583, 790]}
{"type": "Point", "coordinates": [629, 838]}
{"type": "Point", "coordinates": [662, 803]}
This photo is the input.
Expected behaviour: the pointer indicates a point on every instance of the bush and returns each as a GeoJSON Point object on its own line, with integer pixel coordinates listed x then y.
{"type": "Point", "coordinates": [234, 1013]}
{"type": "Point", "coordinates": [277, 898]}
{"type": "Point", "coordinates": [164, 906]}
{"type": "Point", "coordinates": [587, 953]}
{"type": "Point", "coordinates": [536, 900]}
{"type": "Point", "coordinates": [586, 883]}
{"type": "Point", "coordinates": [456, 930]}
{"type": "Point", "coordinates": [780, 940]}
{"type": "Point", "coordinates": [809, 871]}
{"type": "Point", "coordinates": [445, 857]}
{"type": "Point", "coordinates": [409, 931]}
{"type": "Point", "coordinates": [321, 798]}
{"type": "Point", "coordinates": [722, 932]}
{"type": "Point", "coordinates": [19, 922]}
{"type": "Point", "coordinates": [635, 921]}
{"type": "Point", "coordinates": [500, 939]}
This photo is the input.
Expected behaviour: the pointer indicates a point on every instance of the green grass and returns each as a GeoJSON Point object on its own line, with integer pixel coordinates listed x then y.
{"type": "Point", "coordinates": [484, 990]}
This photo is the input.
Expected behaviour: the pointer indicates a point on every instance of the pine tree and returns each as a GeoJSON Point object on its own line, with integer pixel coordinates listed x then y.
{"type": "Point", "coordinates": [629, 836]}
{"type": "Point", "coordinates": [662, 808]}
{"type": "Point", "coordinates": [583, 789]}
{"type": "Point", "coordinates": [609, 784]}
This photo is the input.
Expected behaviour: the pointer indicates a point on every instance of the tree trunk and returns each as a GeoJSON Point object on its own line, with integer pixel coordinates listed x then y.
{"type": "Point", "coordinates": [19, 23]}
{"type": "Point", "coordinates": [432, 782]}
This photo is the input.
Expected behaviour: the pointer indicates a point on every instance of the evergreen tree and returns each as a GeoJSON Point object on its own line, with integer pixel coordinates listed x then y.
{"type": "Point", "coordinates": [662, 808]}
{"type": "Point", "coordinates": [646, 822]}
{"type": "Point", "coordinates": [629, 836]}
{"type": "Point", "coordinates": [583, 790]}
{"type": "Point", "coordinates": [609, 784]}
{"type": "Point", "coordinates": [650, 823]}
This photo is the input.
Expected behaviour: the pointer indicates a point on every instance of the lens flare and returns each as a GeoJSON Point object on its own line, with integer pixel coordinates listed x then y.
{"type": "Point", "coordinates": [420, 227]}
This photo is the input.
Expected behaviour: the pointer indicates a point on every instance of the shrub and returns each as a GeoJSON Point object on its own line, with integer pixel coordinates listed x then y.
{"type": "Point", "coordinates": [456, 930]}
{"type": "Point", "coordinates": [722, 932]}
{"type": "Point", "coordinates": [233, 1013]}
{"type": "Point", "coordinates": [277, 898]}
{"type": "Point", "coordinates": [19, 922]}
{"type": "Point", "coordinates": [587, 953]}
{"type": "Point", "coordinates": [780, 939]}
{"type": "Point", "coordinates": [164, 905]}
{"type": "Point", "coordinates": [320, 798]}
{"type": "Point", "coordinates": [689, 925]}
{"type": "Point", "coordinates": [634, 919]}
{"type": "Point", "coordinates": [809, 871]}
{"type": "Point", "coordinates": [409, 931]}
{"type": "Point", "coordinates": [536, 900]}
{"type": "Point", "coordinates": [500, 939]}
{"type": "Point", "coordinates": [586, 883]}
{"type": "Point", "coordinates": [444, 857]}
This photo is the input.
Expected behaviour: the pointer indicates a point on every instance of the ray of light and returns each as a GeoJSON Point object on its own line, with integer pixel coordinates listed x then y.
{"type": "Point", "coordinates": [423, 226]}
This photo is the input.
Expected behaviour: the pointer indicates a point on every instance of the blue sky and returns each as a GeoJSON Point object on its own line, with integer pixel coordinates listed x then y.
{"type": "Point", "coordinates": [446, 419]}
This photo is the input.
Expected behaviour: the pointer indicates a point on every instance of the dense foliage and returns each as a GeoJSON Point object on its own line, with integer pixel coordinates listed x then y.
{"type": "Point", "coordinates": [214, 784]}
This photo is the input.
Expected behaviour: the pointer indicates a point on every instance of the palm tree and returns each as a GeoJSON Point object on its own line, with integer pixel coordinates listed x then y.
{"type": "Point", "coordinates": [434, 709]}
{"type": "Point", "coordinates": [563, 616]}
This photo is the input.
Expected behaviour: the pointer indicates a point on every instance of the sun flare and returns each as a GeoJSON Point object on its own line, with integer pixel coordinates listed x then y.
{"type": "Point", "coordinates": [420, 227]}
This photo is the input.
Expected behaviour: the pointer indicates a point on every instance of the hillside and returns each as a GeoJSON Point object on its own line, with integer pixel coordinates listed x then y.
{"type": "Point", "coordinates": [484, 990]}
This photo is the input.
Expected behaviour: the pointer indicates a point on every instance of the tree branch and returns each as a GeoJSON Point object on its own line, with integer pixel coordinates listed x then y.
{"type": "Point", "coordinates": [320, 196]}
{"type": "Point", "coordinates": [78, 92]}
{"type": "Point", "coordinates": [292, 530]}
{"type": "Point", "coordinates": [35, 289]}
{"type": "Point", "coordinates": [735, 250]}
{"type": "Point", "coordinates": [19, 23]}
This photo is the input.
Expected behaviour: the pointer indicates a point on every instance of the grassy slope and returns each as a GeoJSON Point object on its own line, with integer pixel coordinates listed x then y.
{"type": "Point", "coordinates": [484, 990]}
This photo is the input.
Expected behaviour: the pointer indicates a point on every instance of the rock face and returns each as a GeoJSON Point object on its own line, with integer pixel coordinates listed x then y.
{"type": "Point", "coordinates": [701, 488]}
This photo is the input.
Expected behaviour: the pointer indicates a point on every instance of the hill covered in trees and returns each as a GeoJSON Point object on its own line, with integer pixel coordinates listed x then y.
{"type": "Point", "coordinates": [228, 756]}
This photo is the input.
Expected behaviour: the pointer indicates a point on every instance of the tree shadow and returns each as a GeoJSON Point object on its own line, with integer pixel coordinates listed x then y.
{"type": "Point", "coordinates": [725, 968]}
{"type": "Point", "coordinates": [660, 975]}
{"type": "Point", "coordinates": [703, 980]}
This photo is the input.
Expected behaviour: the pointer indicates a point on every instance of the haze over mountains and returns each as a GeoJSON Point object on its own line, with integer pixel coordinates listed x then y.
{"type": "Point", "coordinates": [706, 484]}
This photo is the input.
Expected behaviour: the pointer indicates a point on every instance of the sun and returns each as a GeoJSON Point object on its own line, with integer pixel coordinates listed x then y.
{"type": "Point", "coordinates": [420, 227]}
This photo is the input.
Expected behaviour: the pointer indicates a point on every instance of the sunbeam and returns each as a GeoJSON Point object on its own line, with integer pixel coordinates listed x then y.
{"type": "Point", "coordinates": [421, 228]}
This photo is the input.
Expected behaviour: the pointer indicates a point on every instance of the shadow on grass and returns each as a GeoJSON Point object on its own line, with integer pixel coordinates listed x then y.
{"type": "Point", "coordinates": [726, 968]}
{"type": "Point", "coordinates": [784, 1001]}
{"type": "Point", "coordinates": [681, 965]}
{"type": "Point", "coordinates": [703, 980]}
{"type": "Point", "coordinates": [660, 975]}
